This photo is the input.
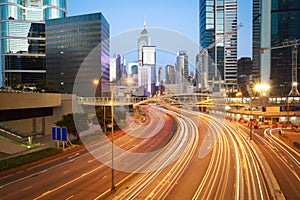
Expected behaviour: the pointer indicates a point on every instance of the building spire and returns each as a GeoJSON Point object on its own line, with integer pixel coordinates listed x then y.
{"type": "Point", "coordinates": [145, 22]}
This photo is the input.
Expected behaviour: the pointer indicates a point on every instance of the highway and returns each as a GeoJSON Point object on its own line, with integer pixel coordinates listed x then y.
{"type": "Point", "coordinates": [82, 176]}
{"type": "Point", "coordinates": [232, 172]}
{"type": "Point", "coordinates": [179, 150]}
{"type": "Point", "coordinates": [283, 159]}
{"type": "Point", "coordinates": [177, 154]}
{"type": "Point", "coordinates": [222, 164]}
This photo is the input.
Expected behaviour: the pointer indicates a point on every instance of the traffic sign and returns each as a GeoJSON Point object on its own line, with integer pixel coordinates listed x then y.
{"type": "Point", "coordinates": [59, 134]}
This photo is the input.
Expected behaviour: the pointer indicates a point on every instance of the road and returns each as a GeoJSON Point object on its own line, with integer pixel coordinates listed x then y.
{"type": "Point", "coordinates": [283, 159]}
{"type": "Point", "coordinates": [82, 176]}
{"type": "Point", "coordinates": [232, 171]}
{"type": "Point", "coordinates": [222, 164]}
{"type": "Point", "coordinates": [177, 154]}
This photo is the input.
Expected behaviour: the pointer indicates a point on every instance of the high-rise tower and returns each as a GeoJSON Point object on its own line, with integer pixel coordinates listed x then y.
{"type": "Point", "coordinates": [22, 46]}
{"type": "Point", "coordinates": [218, 42]}
{"type": "Point", "coordinates": [78, 53]}
{"type": "Point", "coordinates": [275, 22]}
{"type": "Point", "coordinates": [143, 40]}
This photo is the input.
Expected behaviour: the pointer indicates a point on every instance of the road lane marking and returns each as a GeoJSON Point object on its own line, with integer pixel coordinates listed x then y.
{"type": "Point", "coordinates": [27, 188]}
{"type": "Point", "coordinates": [70, 197]}
{"type": "Point", "coordinates": [91, 160]}
{"type": "Point", "coordinates": [72, 156]}
{"type": "Point", "coordinates": [104, 177]}
{"type": "Point", "coordinates": [67, 183]}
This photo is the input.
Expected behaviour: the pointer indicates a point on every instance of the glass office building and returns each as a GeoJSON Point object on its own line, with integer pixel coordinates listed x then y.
{"type": "Point", "coordinates": [218, 42]}
{"type": "Point", "coordinates": [275, 23]}
{"type": "Point", "coordinates": [256, 38]}
{"type": "Point", "coordinates": [78, 53]}
{"type": "Point", "coordinates": [22, 44]}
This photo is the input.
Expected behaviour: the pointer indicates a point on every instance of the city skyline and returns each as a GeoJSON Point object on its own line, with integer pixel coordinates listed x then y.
{"type": "Point", "coordinates": [126, 16]}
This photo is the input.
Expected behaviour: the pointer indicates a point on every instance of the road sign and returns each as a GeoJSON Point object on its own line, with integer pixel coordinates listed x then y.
{"type": "Point", "coordinates": [59, 134]}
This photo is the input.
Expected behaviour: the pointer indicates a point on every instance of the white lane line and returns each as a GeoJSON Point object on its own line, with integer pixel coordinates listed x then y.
{"type": "Point", "coordinates": [72, 156]}
{"type": "Point", "coordinates": [104, 177]}
{"type": "Point", "coordinates": [27, 188]}
{"type": "Point", "coordinates": [67, 183]}
{"type": "Point", "coordinates": [70, 197]}
{"type": "Point", "coordinates": [91, 160]}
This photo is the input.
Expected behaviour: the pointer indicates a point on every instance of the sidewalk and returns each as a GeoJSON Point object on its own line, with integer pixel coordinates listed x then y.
{"type": "Point", "coordinates": [12, 150]}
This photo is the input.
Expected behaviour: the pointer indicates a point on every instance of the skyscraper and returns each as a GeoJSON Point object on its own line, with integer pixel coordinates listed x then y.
{"type": "Point", "coordinates": [218, 41]}
{"type": "Point", "coordinates": [275, 22]}
{"type": "Point", "coordinates": [22, 46]}
{"type": "Point", "coordinates": [256, 38]}
{"type": "Point", "coordinates": [78, 50]}
{"type": "Point", "coordinates": [143, 40]}
{"type": "Point", "coordinates": [147, 71]}
{"type": "Point", "coordinates": [118, 69]}
{"type": "Point", "coordinates": [170, 74]}
{"type": "Point", "coordinates": [182, 67]}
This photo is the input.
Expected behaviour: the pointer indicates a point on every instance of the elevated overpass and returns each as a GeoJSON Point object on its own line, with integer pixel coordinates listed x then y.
{"type": "Point", "coordinates": [184, 98]}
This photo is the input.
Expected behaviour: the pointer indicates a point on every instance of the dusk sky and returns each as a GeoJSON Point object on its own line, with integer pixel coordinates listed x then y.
{"type": "Point", "coordinates": [177, 15]}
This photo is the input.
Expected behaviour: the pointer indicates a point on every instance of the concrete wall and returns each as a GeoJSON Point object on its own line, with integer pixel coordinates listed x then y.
{"type": "Point", "coordinates": [61, 103]}
{"type": "Point", "coordinates": [28, 100]}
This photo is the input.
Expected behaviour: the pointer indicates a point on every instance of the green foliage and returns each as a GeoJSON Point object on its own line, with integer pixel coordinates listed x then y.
{"type": "Point", "coordinates": [45, 86]}
{"type": "Point", "coordinates": [27, 158]}
{"type": "Point", "coordinates": [105, 118]}
{"type": "Point", "coordinates": [68, 121]}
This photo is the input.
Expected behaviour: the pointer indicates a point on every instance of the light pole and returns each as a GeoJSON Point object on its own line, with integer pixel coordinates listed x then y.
{"type": "Point", "coordinates": [263, 90]}
{"type": "Point", "coordinates": [97, 82]}
{"type": "Point", "coordinates": [250, 118]}
{"type": "Point", "coordinates": [113, 187]}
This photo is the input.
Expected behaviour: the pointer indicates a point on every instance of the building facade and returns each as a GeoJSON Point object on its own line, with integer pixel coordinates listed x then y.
{"type": "Point", "coordinates": [118, 69]}
{"type": "Point", "coordinates": [245, 74]}
{"type": "Point", "coordinates": [170, 74]}
{"type": "Point", "coordinates": [218, 43]}
{"type": "Point", "coordinates": [133, 69]}
{"type": "Point", "coordinates": [256, 38]}
{"type": "Point", "coordinates": [143, 40]}
{"type": "Point", "coordinates": [22, 46]}
{"type": "Point", "coordinates": [182, 67]}
{"type": "Point", "coordinates": [78, 53]}
{"type": "Point", "coordinates": [147, 71]}
{"type": "Point", "coordinates": [276, 24]}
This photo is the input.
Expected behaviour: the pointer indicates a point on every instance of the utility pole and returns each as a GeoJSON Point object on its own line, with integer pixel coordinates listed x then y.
{"type": "Point", "coordinates": [113, 187]}
{"type": "Point", "coordinates": [251, 118]}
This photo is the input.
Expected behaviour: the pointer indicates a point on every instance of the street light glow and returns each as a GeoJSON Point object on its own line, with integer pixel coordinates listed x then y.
{"type": "Point", "coordinates": [262, 87]}
{"type": "Point", "coordinates": [95, 81]}
{"type": "Point", "coordinates": [295, 83]}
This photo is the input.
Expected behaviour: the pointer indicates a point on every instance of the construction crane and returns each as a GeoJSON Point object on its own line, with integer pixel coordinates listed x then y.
{"type": "Point", "coordinates": [205, 53]}
{"type": "Point", "coordinates": [294, 43]}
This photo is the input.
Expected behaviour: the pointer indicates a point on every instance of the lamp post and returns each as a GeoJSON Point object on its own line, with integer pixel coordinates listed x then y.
{"type": "Point", "coordinates": [250, 118]}
{"type": "Point", "coordinates": [263, 90]}
{"type": "Point", "coordinates": [96, 82]}
{"type": "Point", "coordinates": [113, 187]}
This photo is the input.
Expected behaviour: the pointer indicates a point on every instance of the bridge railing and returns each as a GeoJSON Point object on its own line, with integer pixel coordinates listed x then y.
{"type": "Point", "coordinates": [107, 100]}
{"type": "Point", "coordinates": [190, 98]}
{"type": "Point", "coordinates": [271, 101]}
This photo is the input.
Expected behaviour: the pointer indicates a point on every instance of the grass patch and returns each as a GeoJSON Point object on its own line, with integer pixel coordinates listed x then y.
{"type": "Point", "coordinates": [27, 158]}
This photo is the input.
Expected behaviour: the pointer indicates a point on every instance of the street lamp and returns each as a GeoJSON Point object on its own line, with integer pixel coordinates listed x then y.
{"type": "Point", "coordinates": [263, 90]}
{"type": "Point", "coordinates": [96, 82]}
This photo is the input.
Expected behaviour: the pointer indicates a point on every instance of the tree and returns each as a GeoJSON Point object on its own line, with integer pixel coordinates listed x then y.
{"type": "Point", "coordinates": [69, 120]}
{"type": "Point", "coordinates": [43, 85]}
